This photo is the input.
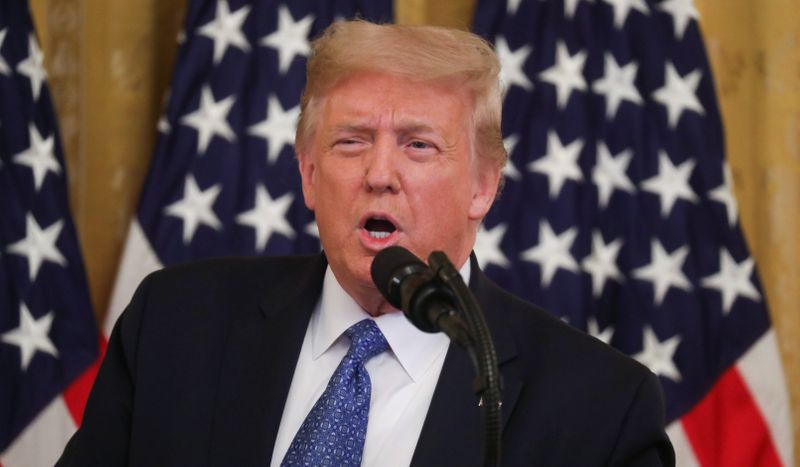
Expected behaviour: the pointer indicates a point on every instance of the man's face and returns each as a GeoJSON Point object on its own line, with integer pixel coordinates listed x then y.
{"type": "Point", "coordinates": [392, 162]}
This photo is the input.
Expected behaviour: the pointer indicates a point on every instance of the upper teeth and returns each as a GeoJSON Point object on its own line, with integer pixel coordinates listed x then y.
{"type": "Point", "coordinates": [379, 234]}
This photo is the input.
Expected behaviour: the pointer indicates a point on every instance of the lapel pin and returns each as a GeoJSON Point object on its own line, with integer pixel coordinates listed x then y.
{"type": "Point", "coordinates": [480, 403]}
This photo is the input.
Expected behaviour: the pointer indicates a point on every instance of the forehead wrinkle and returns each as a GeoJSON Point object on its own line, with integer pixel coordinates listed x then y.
{"type": "Point", "coordinates": [388, 115]}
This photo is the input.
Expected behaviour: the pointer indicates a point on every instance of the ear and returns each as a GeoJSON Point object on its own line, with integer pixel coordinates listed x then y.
{"type": "Point", "coordinates": [484, 190]}
{"type": "Point", "coordinates": [307, 173]}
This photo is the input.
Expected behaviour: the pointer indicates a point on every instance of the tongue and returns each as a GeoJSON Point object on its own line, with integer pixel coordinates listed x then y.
{"type": "Point", "coordinates": [379, 225]}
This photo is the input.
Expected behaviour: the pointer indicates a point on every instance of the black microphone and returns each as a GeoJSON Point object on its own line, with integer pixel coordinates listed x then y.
{"type": "Point", "coordinates": [410, 285]}
{"type": "Point", "coordinates": [434, 299]}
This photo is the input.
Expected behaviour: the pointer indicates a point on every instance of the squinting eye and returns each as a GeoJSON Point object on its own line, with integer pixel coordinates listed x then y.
{"type": "Point", "coordinates": [347, 143]}
{"type": "Point", "coordinates": [420, 145]}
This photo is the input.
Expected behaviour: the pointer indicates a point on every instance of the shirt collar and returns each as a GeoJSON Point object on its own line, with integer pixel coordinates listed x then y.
{"type": "Point", "coordinates": [336, 311]}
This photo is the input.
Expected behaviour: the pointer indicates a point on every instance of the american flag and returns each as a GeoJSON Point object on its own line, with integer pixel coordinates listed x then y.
{"type": "Point", "coordinates": [48, 337]}
{"type": "Point", "coordinates": [619, 215]}
{"type": "Point", "coordinates": [224, 180]}
{"type": "Point", "coordinates": [618, 212]}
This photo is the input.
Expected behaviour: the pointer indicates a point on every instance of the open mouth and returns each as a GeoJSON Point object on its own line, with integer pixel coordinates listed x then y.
{"type": "Point", "coordinates": [379, 228]}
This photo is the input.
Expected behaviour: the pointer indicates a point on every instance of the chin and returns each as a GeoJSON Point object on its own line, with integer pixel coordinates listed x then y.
{"type": "Point", "coordinates": [353, 271]}
{"type": "Point", "coordinates": [363, 272]}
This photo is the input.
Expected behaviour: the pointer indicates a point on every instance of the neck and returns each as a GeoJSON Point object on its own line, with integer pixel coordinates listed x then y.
{"type": "Point", "coordinates": [371, 300]}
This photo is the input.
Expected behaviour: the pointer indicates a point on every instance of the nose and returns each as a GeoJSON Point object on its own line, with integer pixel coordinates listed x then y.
{"type": "Point", "coordinates": [380, 168]}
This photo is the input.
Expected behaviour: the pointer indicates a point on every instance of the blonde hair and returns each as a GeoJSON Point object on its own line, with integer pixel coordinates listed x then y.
{"type": "Point", "coordinates": [423, 53]}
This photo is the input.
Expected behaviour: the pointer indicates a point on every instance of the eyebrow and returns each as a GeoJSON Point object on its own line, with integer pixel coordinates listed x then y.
{"type": "Point", "coordinates": [403, 128]}
{"type": "Point", "coordinates": [415, 128]}
{"type": "Point", "coordinates": [358, 128]}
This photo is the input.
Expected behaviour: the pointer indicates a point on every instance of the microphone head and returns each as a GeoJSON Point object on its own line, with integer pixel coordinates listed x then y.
{"type": "Point", "coordinates": [390, 267]}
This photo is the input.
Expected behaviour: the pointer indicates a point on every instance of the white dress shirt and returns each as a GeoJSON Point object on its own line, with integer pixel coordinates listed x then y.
{"type": "Point", "coordinates": [403, 378]}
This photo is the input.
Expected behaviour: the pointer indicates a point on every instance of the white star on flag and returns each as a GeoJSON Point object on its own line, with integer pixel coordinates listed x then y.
{"type": "Point", "coordinates": [195, 208]}
{"type": "Point", "coordinates": [682, 12]}
{"type": "Point", "coordinates": [570, 6]}
{"type": "Point", "coordinates": [732, 280]}
{"type": "Point", "coordinates": [664, 271]}
{"type": "Point", "coordinates": [487, 246]}
{"type": "Point", "coordinates": [163, 125]}
{"type": "Point", "coordinates": [4, 69]}
{"type": "Point", "coordinates": [724, 194]}
{"type": "Point", "coordinates": [31, 336]}
{"type": "Point", "coordinates": [39, 156]}
{"type": "Point", "coordinates": [566, 74]}
{"type": "Point", "coordinates": [33, 67]}
{"type": "Point", "coordinates": [671, 183]}
{"type": "Point", "coordinates": [593, 328]}
{"type": "Point", "coordinates": [268, 216]}
{"type": "Point", "coordinates": [512, 6]}
{"type": "Point", "coordinates": [659, 355]}
{"type": "Point", "coordinates": [510, 170]}
{"type": "Point", "coordinates": [552, 252]}
{"type": "Point", "coordinates": [210, 119]}
{"type": "Point", "coordinates": [560, 163]}
{"type": "Point", "coordinates": [678, 93]}
{"type": "Point", "coordinates": [617, 85]}
{"type": "Point", "coordinates": [290, 39]}
{"type": "Point", "coordinates": [39, 245]}
{"type": "Point", "coordinates": [226, 30]}
{"type": "Point", "coordinates": [511, 65]}
{"type": "Point", "coordinates": [277, 128]}
{"type": "Point", "coordinates": [601, 264]}
{"type": "Point", "coordinates": [623, 7]}
{"type": "Point", "coordinates": [312, 229]}
{"type": "Point", "coordinates": [609, 174]}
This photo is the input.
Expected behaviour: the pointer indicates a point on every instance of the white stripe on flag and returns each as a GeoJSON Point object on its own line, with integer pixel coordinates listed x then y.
{"type": "Point", "coordinates": [684, 454]}
{"type": "Point", "coordinates": [138, 260]}
{"type": "Point", "coordinates": [43, 440]}
{"type": "Point", "coordinates": [761, 369]}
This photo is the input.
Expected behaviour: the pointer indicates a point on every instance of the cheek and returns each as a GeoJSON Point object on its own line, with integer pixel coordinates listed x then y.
{"type": "Point", "coordinates": [441, 202]}
{"type": "Point", "coordinates": [334, 180]}
{"type": "Point", "coordinates": [336, 191]}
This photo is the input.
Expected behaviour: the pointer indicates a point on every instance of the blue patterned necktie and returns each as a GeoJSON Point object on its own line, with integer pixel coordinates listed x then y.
{"type": "Point", "coordinates": [333, 433]}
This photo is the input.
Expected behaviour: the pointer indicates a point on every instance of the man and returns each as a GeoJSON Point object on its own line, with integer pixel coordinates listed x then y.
{"type": "Point", "coordinates": [293, 361]}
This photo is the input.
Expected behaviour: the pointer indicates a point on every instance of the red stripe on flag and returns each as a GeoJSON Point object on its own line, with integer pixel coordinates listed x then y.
{"type": "Point", "coordinates": [77, 392]}
{"type": "Point", "coordinates": [727, 428]}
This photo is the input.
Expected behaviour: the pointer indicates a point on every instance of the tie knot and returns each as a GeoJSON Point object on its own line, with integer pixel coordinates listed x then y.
{"type": "Point", "coordinates": [366, 340]}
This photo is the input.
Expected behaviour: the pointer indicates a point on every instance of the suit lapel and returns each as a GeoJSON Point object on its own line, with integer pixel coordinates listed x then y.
{"type": "Point", "coordinates": [262, 351]}
{"type": "Point", "coordinates": [453, 430]}
{"type": "Point", "coordinates": [260, 356]}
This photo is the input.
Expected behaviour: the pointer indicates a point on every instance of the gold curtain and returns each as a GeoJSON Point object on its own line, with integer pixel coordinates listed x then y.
{"type": "Point", "coordinates": [754, 48]}
{"type": "Point", "coordinates": [109, 63]}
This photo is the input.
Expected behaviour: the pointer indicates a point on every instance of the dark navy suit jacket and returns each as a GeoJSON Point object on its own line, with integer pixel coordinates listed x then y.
{"type": "Point", "coordinates": [199, 365]}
